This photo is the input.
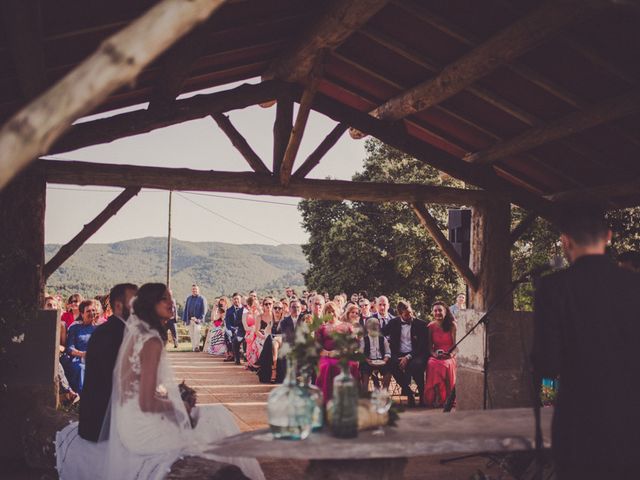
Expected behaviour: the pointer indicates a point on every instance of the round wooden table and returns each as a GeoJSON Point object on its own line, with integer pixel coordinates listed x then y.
{"type": "Point", "coordinates": [418, 433]}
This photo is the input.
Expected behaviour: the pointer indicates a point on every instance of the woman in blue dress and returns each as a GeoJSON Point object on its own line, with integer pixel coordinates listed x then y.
{"type": "Point", "coordinates": [77, 340]}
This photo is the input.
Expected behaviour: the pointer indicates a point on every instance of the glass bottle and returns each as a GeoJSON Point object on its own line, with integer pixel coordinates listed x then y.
{"type": "Point", "coordinates": [315, 396]}
{"type": "Point", "coordinates": [344, 421]}
{"type": "Point", "coordinates": [289, 407]}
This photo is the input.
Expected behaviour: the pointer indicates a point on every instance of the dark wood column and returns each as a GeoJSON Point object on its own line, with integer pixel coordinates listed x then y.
{"type": "Point", "coordinates": [27, 339]}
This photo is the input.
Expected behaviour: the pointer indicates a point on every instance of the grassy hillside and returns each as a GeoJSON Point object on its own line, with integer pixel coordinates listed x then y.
{"type": "Point", "coordinates": [219, 268]}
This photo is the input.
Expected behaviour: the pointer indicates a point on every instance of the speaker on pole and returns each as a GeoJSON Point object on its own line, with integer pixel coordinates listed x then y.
{"type": "Point", "coordinates": [460, 232]}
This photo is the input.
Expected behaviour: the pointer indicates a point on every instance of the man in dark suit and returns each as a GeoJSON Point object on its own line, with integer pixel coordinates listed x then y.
{"type": "Point", "coordinates": [234, 326]}
{"type": "Point", "coordinates": [408, 339]}
{"type": "Point", "coordinates": [287, 326]}
{"type": "Point", "coordinates": [586, 333]}
{"type": "Point", "coordinates": [100, 359]}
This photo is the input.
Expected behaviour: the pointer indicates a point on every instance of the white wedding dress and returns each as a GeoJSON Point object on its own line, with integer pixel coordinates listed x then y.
{"type": "Point", "coordinates": [146, 433]}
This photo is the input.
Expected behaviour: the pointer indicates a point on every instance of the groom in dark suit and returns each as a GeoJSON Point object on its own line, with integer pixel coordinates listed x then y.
{"type": "Point", "coordinates": [408, 339]}
{"type": "Point", "coordinates": [234, 326]}
{"type": "Point", "coordinates": [102, 353]}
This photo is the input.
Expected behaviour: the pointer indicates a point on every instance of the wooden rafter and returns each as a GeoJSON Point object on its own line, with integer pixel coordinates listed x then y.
{"type": "Point", "coordinates": [89, 173]}
{"type": "Point", "coordinates": [334, 26]}
{"type": "Point", "coordinates": [431, 224]}
{"type": "Point", "coordinates": [241, 144]}
{"type": "Point", "coordinates": [118, 61]}
{"type": "Point", "coordinates": [395, 135]}
{"type": "Point", "coordinates": [523, 35]}
{"type": "Point", "coordinates": [88, 230]}
{"type": "Point", "coordinates": [522, 227]}
{"type": "Point", "coordinates": [321, 150]}
{"type": "Point", "coordinates": [293, 145]}
{"type": "Point", "coordinates": [143, 121]}
{"type": "Point", "coordinates": [175, 67]}
{"type": "Point", "coordinates": [282, 127]}
{"type": "Point", "coordinates": [23, 26]}
{"type": "Point", "coordinates": [575, 122]}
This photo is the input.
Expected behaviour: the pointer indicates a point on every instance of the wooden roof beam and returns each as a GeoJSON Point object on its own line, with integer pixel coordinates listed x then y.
{"type": "Point", "coordinates": [340, 20]}
{"type": "Point", "coordinates": [607, 111]}
{"type": "Point", "coordinates": [431, 224]}
{"type": "Point", "coordinates": [89, 173]}
{"type": "Point", "coordinates": [142, 121]}
{"type": "Point", "coordinates": [522, 227]}
{"type": "Point", "coordinates": [282, 126]}
{"type": "Point", "coordinates": [117, 62]}
{"type": "Point", "coordinates": [321, 150]}
{"type": "Point", "coordinates": [504, 47]}
{"type": "Point", "coordinates": [88, 230]}
{"type": "Point", "coordinates": [23, 27]}
{"type": "Point", "coordinates": [241, 144]}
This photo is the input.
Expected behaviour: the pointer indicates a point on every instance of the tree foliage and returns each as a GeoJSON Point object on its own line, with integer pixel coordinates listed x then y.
{"type": "Point", "coordinates": [379, 247]}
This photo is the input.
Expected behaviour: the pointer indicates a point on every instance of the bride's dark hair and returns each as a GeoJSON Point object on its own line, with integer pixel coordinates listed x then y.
{"type": "Point", "coordinates": [144, 306]}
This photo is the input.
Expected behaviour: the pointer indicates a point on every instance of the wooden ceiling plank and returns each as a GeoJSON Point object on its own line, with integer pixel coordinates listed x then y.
{"type": "Point", "coordinates": [603, 112]}
{"type": "Point", "coordinates": [240, 143]}
{"type": "Point", "coordinates": [504, 47]}
{"type": "Point", "coordinates": [23, 26]}
{"type": "Point", "coordinates": [329, 31]}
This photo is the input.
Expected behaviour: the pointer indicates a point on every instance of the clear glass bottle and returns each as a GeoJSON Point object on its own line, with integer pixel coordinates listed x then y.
{"type": "Point", "coordinates": [289, 407]}
{"type": "Point", "coordinates": [344, 418]}
{"type": "Point", "coordinates": [315, 396]}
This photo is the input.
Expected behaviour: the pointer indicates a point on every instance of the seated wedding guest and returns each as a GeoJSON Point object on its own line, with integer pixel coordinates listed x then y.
{"type": "Point", "coordinates": [382, 311]}
{"type": "Point", "coordinates": [65, 392]}
{"type": "Point", "coordinates": [288, 324]}
{"type": "Point", "coordinates": [441, 367]}
{"type": "Point", "coordinates": [461, 304]}
{"type": "Point", "coordinates": [408, 339]}
{"type": "Point", "coordinates": [377, 353]}
{"type": "Point", "coordinates": [328, 367]}
{"type": "Point", "coordinates": [351, 315]}
{"type": "Point", "coordinates": [316, 304]}
{"type": "Point", "coordinates": [304, 308]}
{"type": "Point", "coordinates": [150, 425]}
{"type": "Point", "coordinates": [250, 317]}
{"type": "Point", "coordinates": [365, 311]}
{"type": "Point", "coordinates": [78, 337]}
{"type": "Point", "coordinates": [72, 312]}
{"type": "Point", "coordinates": [102, 352]}
{"type": "Point", "coordinates": [215, 343]}
{"type": "Point", "coordinates": [106, 309]}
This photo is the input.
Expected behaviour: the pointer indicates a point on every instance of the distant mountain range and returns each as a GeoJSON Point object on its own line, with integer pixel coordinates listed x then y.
{"type": "Point", "coordinates": [219, 268]}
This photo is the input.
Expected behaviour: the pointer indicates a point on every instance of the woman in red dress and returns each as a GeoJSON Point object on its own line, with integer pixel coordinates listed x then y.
{"type": "Point", "coordinates": [441, 367]}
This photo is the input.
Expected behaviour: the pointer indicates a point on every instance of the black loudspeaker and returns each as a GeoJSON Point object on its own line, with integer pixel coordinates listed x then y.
{"type": "Point", "coordinates": [460, 232]}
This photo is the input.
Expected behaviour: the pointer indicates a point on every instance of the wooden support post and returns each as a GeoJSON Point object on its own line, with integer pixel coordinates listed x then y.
{"type": "Point", "coordinates": [241, 144]}
{"type": "Point", "coordinates": [297, 131]}
{"type": "Point", "coordinates": [118, 61]}
{"type": "Point", "coordinates": [22, 209]}
{"type": "Point", "coordinates": [314, 158]}
{"type": "Point", "coordinates": [281, 130]}
{"type": "Point", "coordinates": [89, 229]}
{"type": "Point", "coordinates": [431, 224]}
{"type": "Point", "coordinates": [522, 227]}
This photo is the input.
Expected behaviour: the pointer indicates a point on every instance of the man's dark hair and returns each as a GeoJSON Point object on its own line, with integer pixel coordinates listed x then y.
{"type": "Point", "coordinates": [584, 223]}
{"type": "Point", "coordinates": [363, 294]}
{"type": "Point", "coordinates": [403, 305]}
{"type": "Point", "coordinates": [119, 291]}
{"type": "Point", "coordinates": [236, 294]}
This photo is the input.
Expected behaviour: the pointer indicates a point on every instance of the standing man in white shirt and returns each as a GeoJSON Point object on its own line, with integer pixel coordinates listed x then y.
{"type": "Point", "coordinates": [195, 310]}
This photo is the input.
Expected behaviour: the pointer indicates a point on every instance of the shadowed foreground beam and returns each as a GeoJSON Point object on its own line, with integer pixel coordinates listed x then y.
{"type": "Point", "coordinates": [86, 173]}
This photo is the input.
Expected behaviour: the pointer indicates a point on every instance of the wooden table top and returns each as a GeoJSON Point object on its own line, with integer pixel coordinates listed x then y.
{"type": "Point", "coordinates": [417, 434]}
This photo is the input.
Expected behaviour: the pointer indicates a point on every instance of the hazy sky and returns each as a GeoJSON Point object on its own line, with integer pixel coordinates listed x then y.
{"type": "Point", "coordinates": [199, 145]}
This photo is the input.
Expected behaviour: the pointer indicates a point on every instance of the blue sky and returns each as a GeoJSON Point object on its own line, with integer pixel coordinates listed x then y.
{"type": "Point", "coordinates": [199, 145]}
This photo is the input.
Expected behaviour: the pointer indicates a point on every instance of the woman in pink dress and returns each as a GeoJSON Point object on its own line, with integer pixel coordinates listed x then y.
{"type": "Point", "coordinates": [441, 367]}
{"type": "Point", "coordinates": [249, 322]}
{"type": "Point", "coordinates": [328, 367]}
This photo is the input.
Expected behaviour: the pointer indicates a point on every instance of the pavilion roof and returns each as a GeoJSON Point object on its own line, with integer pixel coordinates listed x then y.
{"type": "Point", "coordinates": [540, 98]}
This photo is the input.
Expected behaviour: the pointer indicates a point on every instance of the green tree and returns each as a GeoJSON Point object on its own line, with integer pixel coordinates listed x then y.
{"type": "Point", "coordinates": [379, 247]}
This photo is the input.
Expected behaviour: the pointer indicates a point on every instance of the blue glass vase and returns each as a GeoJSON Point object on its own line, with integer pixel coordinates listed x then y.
{"type": "Point", "coordinates": [290, 408]}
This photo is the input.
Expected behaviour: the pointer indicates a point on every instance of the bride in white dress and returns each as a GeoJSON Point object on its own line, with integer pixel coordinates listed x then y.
{"type": "Point", "coordinates": [149, 426]}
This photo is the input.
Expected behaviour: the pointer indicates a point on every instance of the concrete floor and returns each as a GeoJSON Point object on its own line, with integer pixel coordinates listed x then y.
{"type": "Point", "coordinates": [239, 390]}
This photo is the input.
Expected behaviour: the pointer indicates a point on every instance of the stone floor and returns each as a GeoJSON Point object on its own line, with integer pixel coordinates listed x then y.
{"type": "Point", "coordinates": [238, 389]}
